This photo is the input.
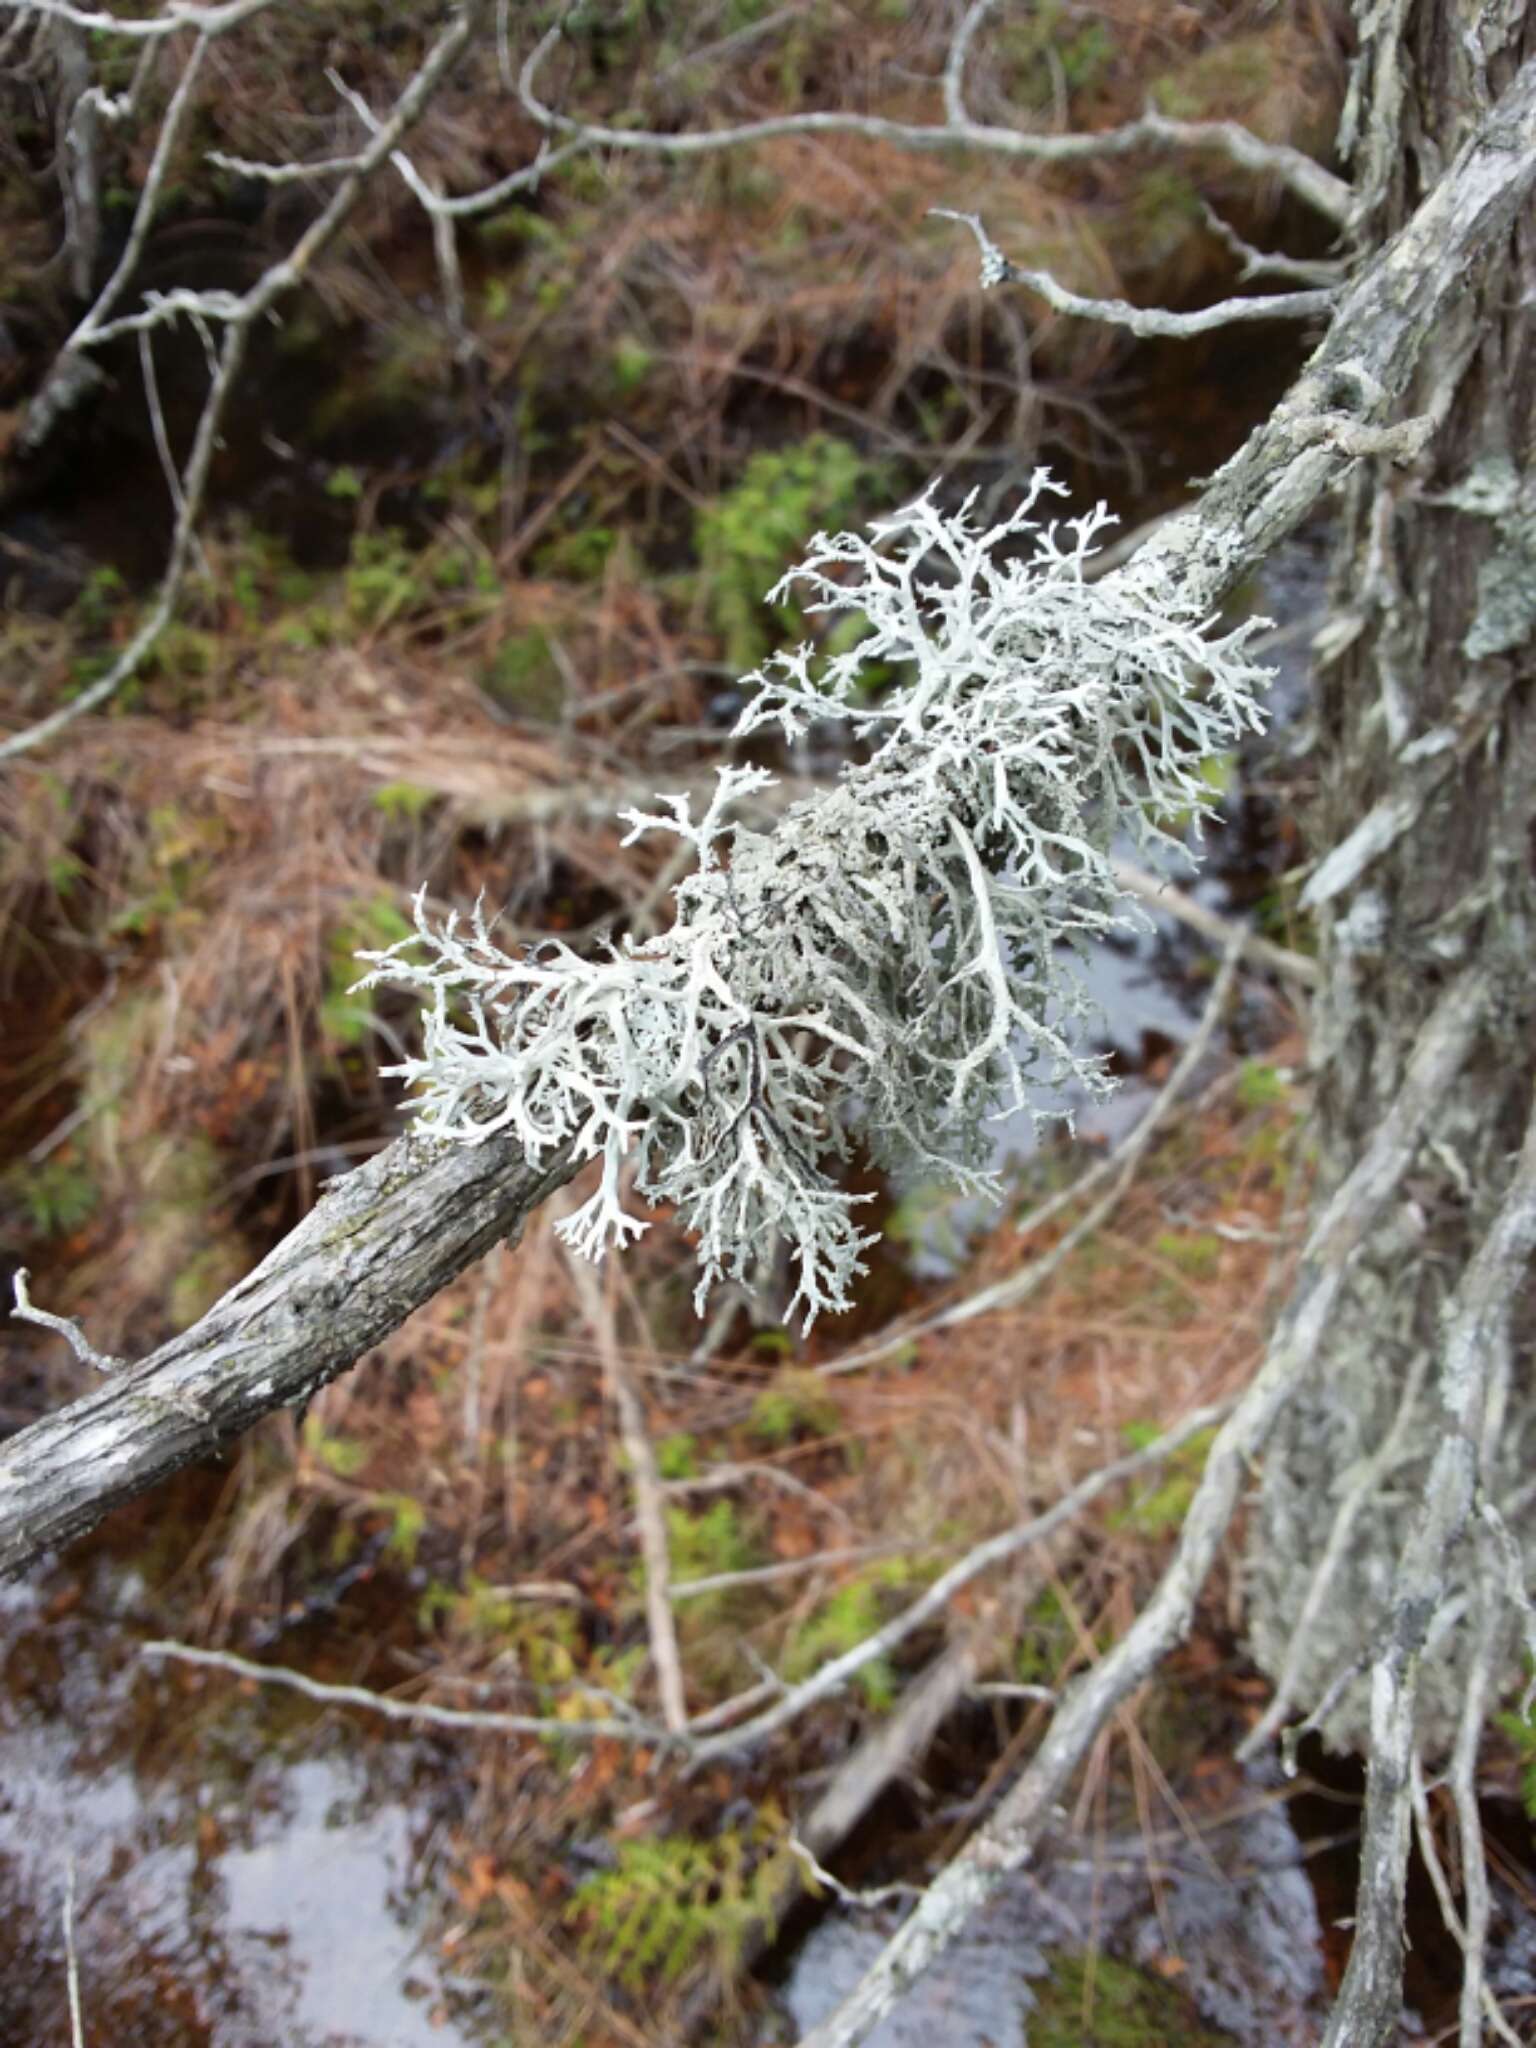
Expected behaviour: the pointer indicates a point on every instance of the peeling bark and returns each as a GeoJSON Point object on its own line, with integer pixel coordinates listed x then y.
{"type": "Point", "coordinates": [1426, 740]}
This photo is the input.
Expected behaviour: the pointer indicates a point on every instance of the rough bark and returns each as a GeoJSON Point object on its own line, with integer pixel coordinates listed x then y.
{"type": "Point", "coordinates": [1426, 739]}
{"type": "Point", "coordinates": [378, 1244]}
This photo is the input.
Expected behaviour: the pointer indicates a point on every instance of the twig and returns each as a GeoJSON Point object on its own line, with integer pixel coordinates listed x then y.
{"type": "Point", "coordinates": [1309, 181]}
{"type": "Point", "coordinates": [955, 112]}
{"type": "Point", "coordinates": [415, 1713]}
{"type": "Point", "coordinates": [209, 21]}
{"type": "Point", "coordinates": [71, 1959]}
{"type": "Point", "coordinates": [1265, 263]}
{"type": "Point", "coordinates": [1014, 1833]}
{"type": "Point", "coordinates": [866, 1901]}
{"type": "Point", "coordinates": [1477, 1999]}
{"type": "Point", "coordinates": [71, 1332]}
{"type": "Point", "coordinates": [1160, 894]}
{"type": "Point", "coordinates": [1146, 321]}
{"type": "Point", "coordinates": [655, 1550]}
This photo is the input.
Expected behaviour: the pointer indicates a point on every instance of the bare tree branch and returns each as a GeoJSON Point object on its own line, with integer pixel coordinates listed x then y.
{"type": "Point", "coordinates": [412, 1713]}
{"type": "Point", "coordinates": [1146, 321]}
{"type": "Point", "coordinates": [1310, 182]}
{"type": "Point", "coordinates": [380, 1243]}
{"type": "Point", "coordinates": [655, 1551]}
{"type": "Point", "coordinates": [71, 1958]}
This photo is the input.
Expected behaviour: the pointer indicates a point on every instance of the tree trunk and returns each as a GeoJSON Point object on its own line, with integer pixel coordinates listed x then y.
{"type": "Point", "coordinates": [1434, 606]}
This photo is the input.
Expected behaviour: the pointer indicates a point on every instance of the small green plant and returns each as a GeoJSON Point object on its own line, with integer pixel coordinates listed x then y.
{"type": "Point", "coordinates": [1521, 1730]}
{"type": "Point", "coordinates": [1194, 1252]}
{"type": "Point", "coordinates": [403, 800]}
{"type": "Point", "coordinates": [746, 536]}
{"type": "Point", "coordinates": [346, 1015]}
{"type": "Point", "coordinates": [1164, 1505]}
{"type": "Point", "coordinates": [383, 579]}
{"type": "Point", "coordinates": [796, 1405]}
{"type": "Point", "coordinates": [578, 557]}
{"type": "Point", "coordinates": [677, 1457]}
{"type": "Point", "coordinates": [705, 1544]}
{"type": "Point", "coordinates": [1260, 1086]}
{"type": "Point", "coordinates": [342, 1455]}
{"type": "Point", "coordinates": [1046, 1640]}
{"type": "Point", "coordinates": [523, 678]}
{"type": "Point", "coordinates": [672, 1904]}
{"type": "Point", "coordinates": [55, 1197]}
{"type": "Point", "coordinates": [408, 1522]}
{"type": "Point", "coordinates": [849, 1617]}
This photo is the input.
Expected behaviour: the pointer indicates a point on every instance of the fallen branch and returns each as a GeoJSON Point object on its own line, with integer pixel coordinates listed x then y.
{"type": "Point", "coordinates": [413, 1713]}
{"type": "Point", "coordinates": [655, 1551]}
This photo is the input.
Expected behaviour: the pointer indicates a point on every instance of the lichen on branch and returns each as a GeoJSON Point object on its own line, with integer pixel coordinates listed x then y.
{"type": "Point", "coordinates": [893, 965]}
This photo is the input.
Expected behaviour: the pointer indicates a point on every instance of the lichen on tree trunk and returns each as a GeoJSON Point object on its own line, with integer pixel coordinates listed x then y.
{"type": "Point", "coordinates": [1434, 633]}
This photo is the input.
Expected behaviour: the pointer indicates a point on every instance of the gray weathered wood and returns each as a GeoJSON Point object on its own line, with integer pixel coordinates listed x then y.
{"type": "Point", "coordinates": [379, 1243]}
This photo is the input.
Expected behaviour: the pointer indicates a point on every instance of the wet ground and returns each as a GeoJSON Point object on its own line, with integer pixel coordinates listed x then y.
{"type": "Point", "coordinates": [245, 1876]}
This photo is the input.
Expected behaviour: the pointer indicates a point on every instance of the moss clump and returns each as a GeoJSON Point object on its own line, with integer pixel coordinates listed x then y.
{"type": "Point", "coordinates": [522, 677]}
{"type": "Point", "coordinates": [1091, 2001]}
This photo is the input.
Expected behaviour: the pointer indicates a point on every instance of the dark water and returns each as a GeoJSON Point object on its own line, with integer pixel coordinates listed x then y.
{"type": "Point", "coordinates": [244, 1877]}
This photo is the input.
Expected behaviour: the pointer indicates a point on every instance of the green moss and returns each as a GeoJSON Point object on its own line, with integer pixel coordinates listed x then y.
{"type": "Point", "coordinates": [1163, 1505]}
{"type": "Point", "coordinates": [796, 1405]}
{"type": "Point", "coordinates": [1095, 2002]}
{"type": "Point", "coordinates": [523, 678]}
